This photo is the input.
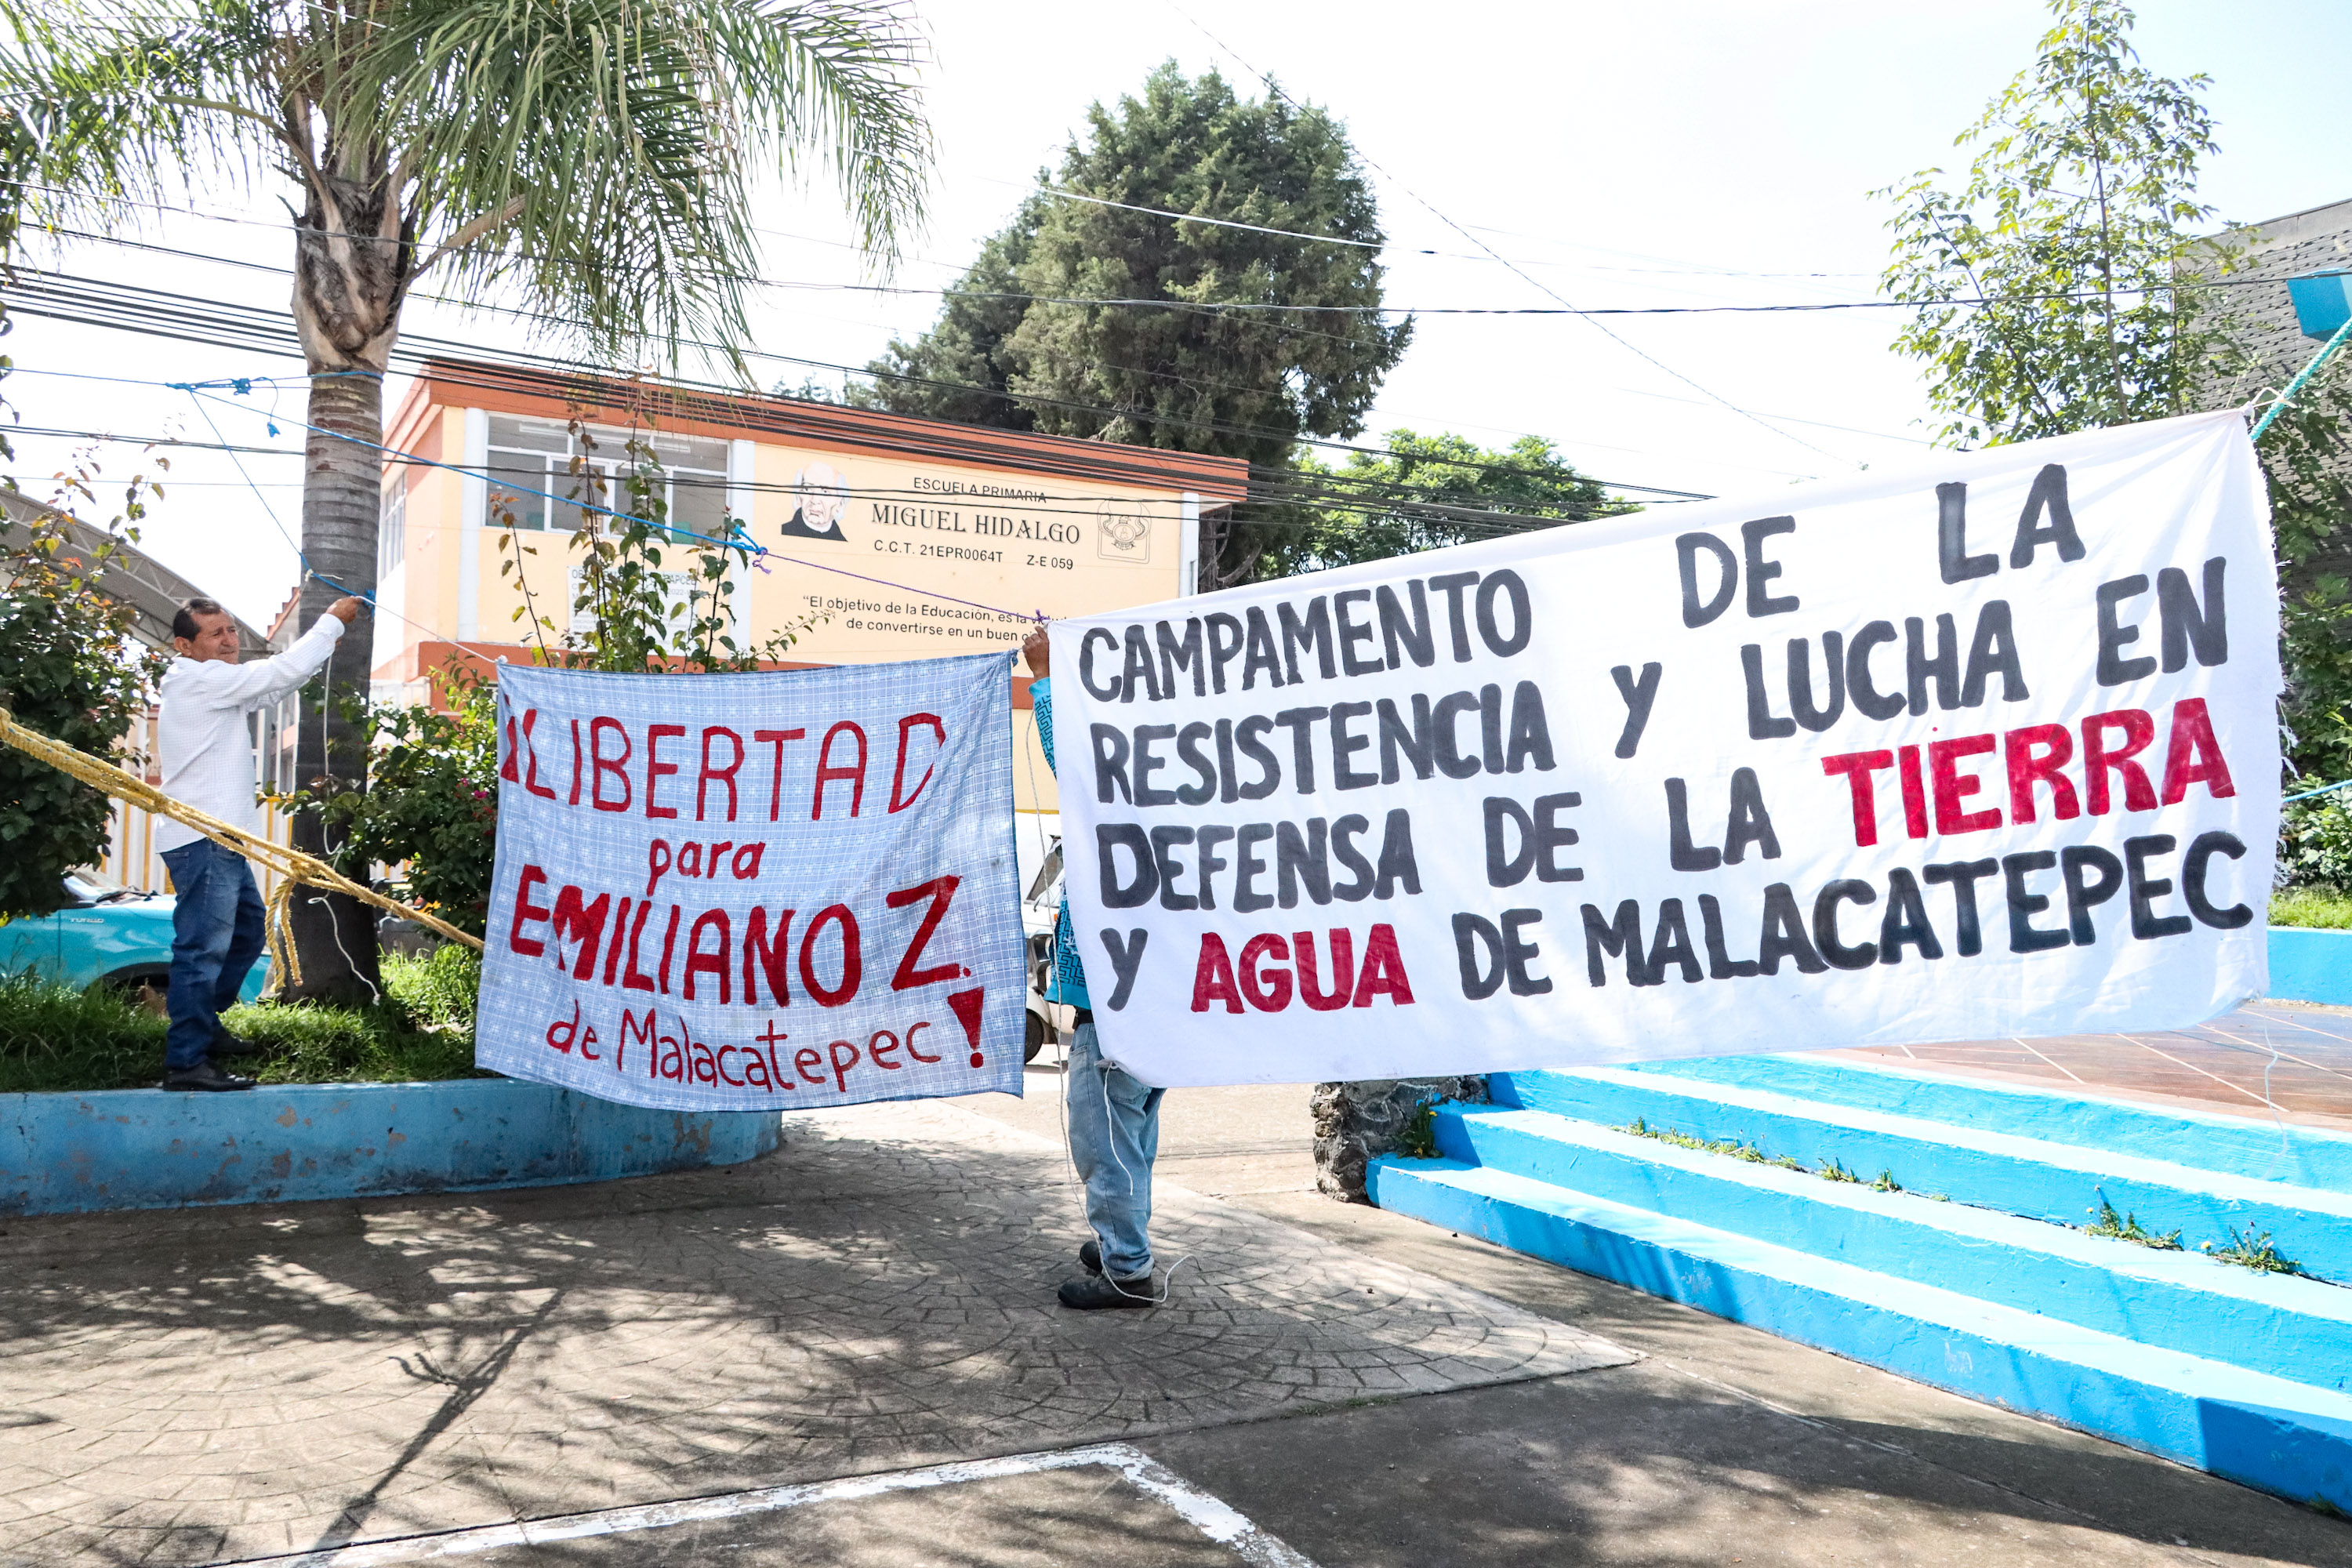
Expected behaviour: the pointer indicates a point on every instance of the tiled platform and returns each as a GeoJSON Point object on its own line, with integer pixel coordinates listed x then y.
{"type": "Point", "coordinates": [2271, 1059]}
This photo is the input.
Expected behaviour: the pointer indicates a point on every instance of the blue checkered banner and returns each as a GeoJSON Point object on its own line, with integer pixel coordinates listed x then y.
{"type": "Point", "coordinates": [738, 892]}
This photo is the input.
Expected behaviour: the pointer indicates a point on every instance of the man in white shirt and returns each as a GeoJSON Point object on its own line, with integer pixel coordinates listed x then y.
{"type": "Point", "coordinates": [217, 924]}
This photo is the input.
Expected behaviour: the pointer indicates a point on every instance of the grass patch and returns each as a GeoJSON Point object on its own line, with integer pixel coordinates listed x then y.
{"type": "Point", "coordinates": [2324, 907]}
{"type": "Point", "coordinates": [1417, 1139]}
{"type": "Point", "coordinates": [2127, 1227]}
{"type": "Point", "coordinates": [54, 1039]}
{"type": "Point", "coordinates": [1639, 1128]}
{"type": "Point", "coordinates": [2256, 1253]}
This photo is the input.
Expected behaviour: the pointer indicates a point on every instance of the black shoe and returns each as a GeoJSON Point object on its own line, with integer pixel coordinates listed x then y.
{"type": "Point", "coordinates": [203, 1076]}
{"type": "Point", "coordinates": [227, 1045]}
{"type": "Point", "coordinates": [1090, 1258]}
{"type": "Point", "coordinates": [1097, 1291]}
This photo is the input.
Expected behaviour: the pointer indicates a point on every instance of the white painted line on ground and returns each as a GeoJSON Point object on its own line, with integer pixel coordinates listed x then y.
{"type": "Point", "coordinates": [1211, 1516]}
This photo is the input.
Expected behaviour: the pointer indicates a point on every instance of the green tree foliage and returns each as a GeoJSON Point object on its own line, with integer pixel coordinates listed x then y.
{"type": "Point", "coordinates": [601, 156]}
{"type": "Point", "coordinates": [70, 668]}
{"type": "Point", "coordinates": [2075, 223]}
{"type": "Point", "coordinates": [1032, 337]}
{"type": "Point", "coordinates": [1424, 492]}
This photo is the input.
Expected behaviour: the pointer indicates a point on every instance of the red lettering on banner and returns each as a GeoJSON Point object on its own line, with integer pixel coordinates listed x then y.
{"type": "Point", "coordinates": [1952, 785]}
{"type": "Point", "coordinates": [899, 776]}
{"type": "Point", "coordinates": [726, 775]}
{"type": "Point", "coordinates": [1343, 968]}
{"type": "Point", "coordinates": [507, 763]}
{"type": "Point", "coordinates": [912, 1030]}
{"type": "Point", "coordinates": [575, 764]}
{"type": "Point", "coordinates": [670, 948]}
{"type": "Point", "coordinates": [700, 963]}
{"type": "Point", "coordinates": [656, 769]}
{"type": "Point", "coordinates": [531, 753]}
{"type": "Point", "coordinates": [1915, 791]}
{"type": "Point", "coordinates": [617, 766]}
{"type": "Point", "coordinates": [2191, 755]}
{"type": "Point", "coordinates": [2099, 760]}
{"type": "Point", "coordinates": [1212, 976]}
{"type": "Point", "coordinates": [612, 952]}
{"type": "Point", "coordinates": [1267, 991]}
{"type": "Point", "coordinates": [643, 1032]}
{"type": "Point", "coordinates": [1859, 768]}
{"type": "Point", "coordinates": [1384, 973]}
{"type": "Point", "coordinates": [525, 913]}
{"type": "Point", "coordinates": [776, 738]}
{"type": "Point", "coordinates": [938, 889]}
{"type": "Point", "coordinates": [632, 977]}
{"type": "Point", "coordinates": [827, 773]}
{"type": "Point", "coordinates": [805, 1059]}
{"type": "Point", "coordinates": [2027, 769]}
{"type": "Point", "coordinates": [580, 925]}
{"type": "Point", "coordinates": [759, 958]}
{"type": "Point", "coordinates": [853, 961]}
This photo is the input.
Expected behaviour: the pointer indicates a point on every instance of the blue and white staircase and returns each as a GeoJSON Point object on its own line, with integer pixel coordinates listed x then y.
{"type": "Point", "coordinates": [1975, 1274]}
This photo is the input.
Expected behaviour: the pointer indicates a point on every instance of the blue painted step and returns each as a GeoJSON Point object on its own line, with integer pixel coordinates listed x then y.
{"type": "Point", "coordinates": [2250, 1145]}
{"type": "Point", "coordinates": [2058, 1182]}
{"type": "Point", "coordinates": [2266, 1431]}
{"type": "Point", "coordinates": [2298, 1328]}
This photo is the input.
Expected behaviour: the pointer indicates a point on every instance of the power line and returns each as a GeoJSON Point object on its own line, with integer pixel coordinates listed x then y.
{"type": "Point", "coordinates": [189, 318]}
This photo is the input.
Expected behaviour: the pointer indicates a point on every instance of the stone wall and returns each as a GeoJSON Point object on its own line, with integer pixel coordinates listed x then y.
{"type": "Point", "coordinates": [1357, 1121]}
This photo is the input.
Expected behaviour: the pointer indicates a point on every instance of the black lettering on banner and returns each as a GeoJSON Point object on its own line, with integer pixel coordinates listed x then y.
{"type": "Point", "coordinates": [1205, 852]}
{"type": "Point", "coordinates": [2184, 625]}
{"type": "Point", "coordinates": [2114, 669]}
{"type": "Point", "coordinates": [1110, 763]}
{"type": "Point", "coordinates": [1352, 632]}
{"type": "Point", "coordinates": [1682, 853]}
{"type": "Point", "coordinates": [1397, 868]}
{"type": "Point", "coordinates": [1249, 867]}
{"type": "Point", "coordinates": [1530, 737]}
{"type": "Point", "coordinates": [1249, 735]}
{"type": "Point", "coordinates": [1415, 636]}
{"type": "Point", "coordinates": [1540, 838]}
{"type": "Point", "coordinates": [2024, 936]}
{"type": "Point", "coordinates": [1146, 764]}
{"type": "Point", "coordinates": [1472, 933]}
{"type": "Point", "coordinates": [2047, 498]}
{"type": "Point", "coordinates": [1168, 868]}
{"type": "Point", "coordinates": [1345, 743]}
{"type": "Point", "coordinates": [1800, 682]}
{"type": "Point", "coordinates": [1188, 654]}
{"type": "Point", "coordinates": [1518, 952]}
{"type": "Point", "coordinates": [1720, 965]}
{"type": "Point", "coordinates": [1302, 859]}
{"type": "Point", "coordinates": [1952, 538]}
{"type": "Point", "coordinates": [1763, 724]}
{"type": "Point", "coordinates": [1188, 751]}
{"type": "Point", "coordinates": [1963, 874]}
{"type": "Point", "coordinates": [1752, 535]}
{"type": "Point", "coordinates": [1126, 961]}
{"type": "Point", "coordinates": [1451, 585]}
{"type": "Point", "coordinates": [1302, 749]}
{"type": "Point", "coordinates": [1640, 696]}
{"type": "Point", "coordinates": [2146, 923]}
{"type": "Point", "coordinates": [1313, 633]}
{"type": "Point", "coordinates": [1450, 760]}
{"type": "Point", "coordinates": [1783, 935]}
{"type": "Point", "coordinates": [1671, 943]}
{"type": "Point", "coordinates": [1749, 823]}
{"type": "Point", "coordinates": [1260, 652]}
{"type": "Point", "coordinates": [1993, 651]}
{"type": "Point", "coordinates": [1620, 936]}
{"type": "Point", "coordinates": [1860, 688]}
{"type": "Point", "coordinates": [1224, 647]}
{"type": "Point", "coordinates": [1943, 665]}
{"type": "Point", "coordinates": [1116, 893]}
{"type": "Point", "coordinates": [1344, 850]}
{"type": "Point", "coordinates": [1086, 664]}
{"type": "Point", "coordinates": [1523, 624]}
{"type": "Point", "coordinates": [1417, 742]}
{"type": "Point", "coordinates": [2086, 891]}
{"type": "Point", "coordinates": [2194, 867]}
{"type": "Point", "coordinates": [1861, 954]}
{"type": "Point", "coordinates": [1906, 921]}
{"type": "Point", "coordinates": [1140, 666]}
{"type": "Point", "coordinates": [1698, 612]}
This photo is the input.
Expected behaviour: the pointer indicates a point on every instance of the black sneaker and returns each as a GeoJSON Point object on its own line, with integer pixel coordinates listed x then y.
{"type": "Point", "coordinates": [204, 1077]}
{"type": "Point", "coordinates": [1098, 1292]}
{"type": "Point", "coordinates": [1090, 1258]}
{"type": "Point", "coordinates": [227, 1045]}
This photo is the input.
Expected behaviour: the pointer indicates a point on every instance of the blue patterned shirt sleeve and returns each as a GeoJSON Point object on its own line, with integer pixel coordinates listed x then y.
{"type": "Point", "coordinates": [1069, 981]}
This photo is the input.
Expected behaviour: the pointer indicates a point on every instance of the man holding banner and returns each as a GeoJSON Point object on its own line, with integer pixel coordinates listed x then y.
{"type": "Point", "coordinates": [1114, 1117]}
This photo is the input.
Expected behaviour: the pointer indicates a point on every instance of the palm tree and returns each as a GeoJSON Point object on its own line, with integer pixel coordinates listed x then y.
{"type": "Point", "coordinates": [599, 153]}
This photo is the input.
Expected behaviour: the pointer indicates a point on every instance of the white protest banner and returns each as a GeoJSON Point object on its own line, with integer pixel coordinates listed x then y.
{"type": "Point", "coordinates": [1985, 748]}
{"type": "Point", "coordinates": [736, 892]}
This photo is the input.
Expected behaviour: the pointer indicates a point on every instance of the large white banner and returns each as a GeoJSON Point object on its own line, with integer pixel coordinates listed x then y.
{"type": "Point", "coordinates": [736, 892]}
{"type": "Point", "coordinates": [1984, 748]}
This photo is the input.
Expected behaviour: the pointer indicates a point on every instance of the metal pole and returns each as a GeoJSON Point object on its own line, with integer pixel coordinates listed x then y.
{"type": "Point", "coordinates": [2304, 375]}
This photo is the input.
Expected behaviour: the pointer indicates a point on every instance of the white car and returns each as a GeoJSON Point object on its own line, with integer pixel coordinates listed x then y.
{"type": "Point", "coordinates": [1041, 906]}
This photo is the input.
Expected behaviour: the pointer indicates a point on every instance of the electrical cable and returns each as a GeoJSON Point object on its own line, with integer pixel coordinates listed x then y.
{"type": "Point", "coordinates": [140, 309]}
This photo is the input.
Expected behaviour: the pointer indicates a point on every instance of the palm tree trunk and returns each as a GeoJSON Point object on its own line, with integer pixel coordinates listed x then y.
{"type": "Point", "coordinates": [335, 935]}
{"type": "Point", "coordinates": [347, 286]}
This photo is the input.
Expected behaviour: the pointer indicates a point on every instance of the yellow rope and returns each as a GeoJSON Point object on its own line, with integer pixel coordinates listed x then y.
{"type": "Point", "coordinates": [292, 864]}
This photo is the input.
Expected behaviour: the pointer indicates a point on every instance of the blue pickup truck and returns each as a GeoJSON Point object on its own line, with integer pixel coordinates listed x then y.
{"type": "Point", "coordinates": [107, 934]}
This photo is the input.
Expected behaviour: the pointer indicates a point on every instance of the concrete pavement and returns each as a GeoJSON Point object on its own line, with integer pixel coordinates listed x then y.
{"type": "Point", "coordinates": [358, 1380]}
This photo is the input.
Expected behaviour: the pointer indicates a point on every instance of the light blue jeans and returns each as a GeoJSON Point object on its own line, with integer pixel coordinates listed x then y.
{"type": "Point", "coordinates": [1114, 1138]}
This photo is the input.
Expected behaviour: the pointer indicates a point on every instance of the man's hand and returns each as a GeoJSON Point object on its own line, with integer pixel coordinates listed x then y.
{"type": "Point", "coordinates": [1039, 652]}
{"type": "Point", "coordinates": [346, 610]}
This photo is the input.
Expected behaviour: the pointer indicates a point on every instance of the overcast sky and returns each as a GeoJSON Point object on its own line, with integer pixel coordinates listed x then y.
{"type": "Point", "coordinates": [1715, 151]}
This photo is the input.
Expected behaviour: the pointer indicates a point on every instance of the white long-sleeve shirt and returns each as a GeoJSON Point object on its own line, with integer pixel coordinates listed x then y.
{"type": "Point", "coordinates": [206, 744]}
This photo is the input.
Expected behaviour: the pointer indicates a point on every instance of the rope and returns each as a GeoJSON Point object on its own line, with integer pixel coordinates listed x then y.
{"type": "Point", "coordinates": [292, 864]}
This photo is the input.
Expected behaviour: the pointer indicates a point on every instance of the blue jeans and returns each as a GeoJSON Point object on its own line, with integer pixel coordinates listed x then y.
{"type": "Point", "coordinates": [216, 933]}
{"type": "Point", "coordinates": [1114, 1138]}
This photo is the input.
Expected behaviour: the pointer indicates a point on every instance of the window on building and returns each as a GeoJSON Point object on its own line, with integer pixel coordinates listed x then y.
{"type": "Point", "coordinates": [392, 529]}
{"type": "Point", "coordinates": [542, 476]}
